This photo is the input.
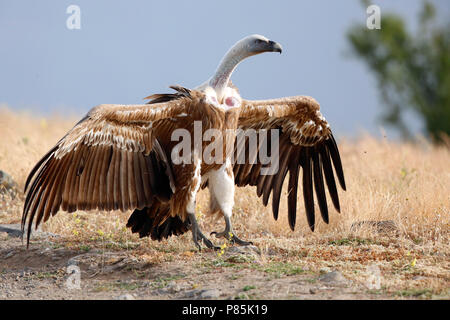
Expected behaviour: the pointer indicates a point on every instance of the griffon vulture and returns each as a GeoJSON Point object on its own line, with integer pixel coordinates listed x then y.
{"type": "Point", "coordinates": [122, 157]}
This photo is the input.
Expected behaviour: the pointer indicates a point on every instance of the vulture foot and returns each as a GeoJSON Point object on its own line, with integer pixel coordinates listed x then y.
{"type": "Point", "coordinates": [229, 234]}
{"type": "Point", "coordinates": [198, 236]}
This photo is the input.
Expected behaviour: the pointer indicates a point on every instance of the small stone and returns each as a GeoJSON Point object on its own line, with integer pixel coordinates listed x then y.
{"type": "Point", "coordinates": [192, 293]}
{"type": "Point", "coordinates": [250, 249]}
{"type": "Point", "coordinates": [161, 291]}
{"type": "Point", "coordinates": [7, 184]}
{"type": "Point", "coordinates": [46, 250]}
{"type": "Point", "coordinates": [210, 294]}
{"type": "Point", "coordinates": [332, 277]}
{"type": "Point", "coordinates": [126, 296]}
{"type": "Point", "coordinates": [15, 230]}
{"type": "Point", "coordinates": [384, 226]}
{"type": "Point", "coordinates": [325, 270]}
{"type": "Point", "coordinates": [173, 287]}
{"type": "Point", "coordinates": [271, 252]}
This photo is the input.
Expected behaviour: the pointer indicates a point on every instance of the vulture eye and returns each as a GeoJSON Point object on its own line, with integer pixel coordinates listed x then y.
{"type": "Point", "coordinates": [258, 41]}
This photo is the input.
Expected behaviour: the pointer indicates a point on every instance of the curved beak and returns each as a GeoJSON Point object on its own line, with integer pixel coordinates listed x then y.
{"type": "Point", "coordinates": [275, 46]}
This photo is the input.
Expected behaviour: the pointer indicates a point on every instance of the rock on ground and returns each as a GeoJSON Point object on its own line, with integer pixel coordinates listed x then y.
{"type": "Point", "coordinates": [126, 296]}
{"type": "Point", "coordinates": [7, 184]}
{"type": "Point", "coordinates": [333, 277]}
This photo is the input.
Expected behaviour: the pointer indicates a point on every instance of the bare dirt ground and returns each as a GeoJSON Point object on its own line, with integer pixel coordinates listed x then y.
{"type": "Point", "coordinates": [390, 241]}
{"type": "Point", "coordinates": [347, 269]}
{"type": "Point", "coordinates": [42, 273]}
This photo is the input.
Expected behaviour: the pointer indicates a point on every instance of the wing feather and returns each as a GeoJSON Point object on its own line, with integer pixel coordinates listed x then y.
{"type": "Point", "coordinates": [131, 182]}
{"type": "Point", "coordinates": [55, 192]}
{"type": "Point", "coordinates": [91, 180]}
{"type": "Point", "coordinates": [329, 177]}
{"type": "Point", "coordinates": [138, 181]}
{"type": "Point", "coordinates": [334, 152]}
{"type": "Point", "coordinates": [294, 168]}
{"type": "Point", "coordinates": [306, 141]}
{"type": "Point", "coordinates": [319, 186]}
{"type": "Point", "coordinates": [307, 187]}
{"type": "Point", "coordinates": [111, 159]}
{"type": "Point", "coordinates": [116, 179]}
{"type": "Point", "coordinates": [278, 183]}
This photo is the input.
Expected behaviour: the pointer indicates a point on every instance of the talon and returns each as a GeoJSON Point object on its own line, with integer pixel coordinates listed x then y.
{"type": "Point", "coordinates": [198, 235]}
{"type": "Point", "coordinates": [210, 245]}
{"type": "Point", "coordinates": [240, 242]}
{"type": "Point", "coordinates": [206, 241]}
{"type": "Point", "coordinates": [229, 234]}
{"type": "Point", "coordinates": [231, 237]}
{"type": "Point", "coordinates": [220, 234]}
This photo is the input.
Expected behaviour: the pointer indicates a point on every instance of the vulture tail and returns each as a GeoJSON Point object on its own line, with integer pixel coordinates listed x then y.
{"type": "Point", "coordinates": [155, 222]}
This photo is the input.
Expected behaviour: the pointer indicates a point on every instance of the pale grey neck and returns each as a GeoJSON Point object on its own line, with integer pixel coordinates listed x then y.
{"type": "Point", "coordinates": [226, 67]}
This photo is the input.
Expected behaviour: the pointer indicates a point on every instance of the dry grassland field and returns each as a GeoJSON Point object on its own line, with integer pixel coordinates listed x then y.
{"type": "Point", "coordinates": [390, 241]}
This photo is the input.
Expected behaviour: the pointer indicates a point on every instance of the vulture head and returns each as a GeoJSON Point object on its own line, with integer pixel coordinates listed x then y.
{"type": "Point", "coordinates": [244, 48]}
{"type": "Point", "coordinates": [256, 44]}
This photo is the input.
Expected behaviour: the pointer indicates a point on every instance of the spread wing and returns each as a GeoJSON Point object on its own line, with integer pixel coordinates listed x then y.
{"type": "Point", "coordinates": [305, 140]}
{"type": "Point", "coordinates": [109, 160]}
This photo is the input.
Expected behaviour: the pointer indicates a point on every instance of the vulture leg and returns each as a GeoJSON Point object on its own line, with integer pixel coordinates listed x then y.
{"type": "Point", "coordinates": [221, 186]}
{"type": "Point", "coordinates": [197, 234]}
{"type": "Point", "coordinates": [228, 233]}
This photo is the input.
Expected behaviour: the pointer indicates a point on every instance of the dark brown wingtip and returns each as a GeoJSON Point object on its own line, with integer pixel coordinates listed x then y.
{"type": "Point", "coordinates": [329, 176]}
{"type": "Point", "coordinates": [336, 158]}
{"type": "Point", "coordinates": [294, 168]}
{"type": "Point", "coordinates": [182, 90]}
{"type": "Point", "coordinates": [150, 97]}
{"type": "Point", "coordinates": [319, 185]}
{"type": "Point", "coordinates": [308, 196]}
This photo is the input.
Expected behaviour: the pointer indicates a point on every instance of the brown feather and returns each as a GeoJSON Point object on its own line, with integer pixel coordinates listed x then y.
{"type": "Point", "coordinates": [83, 172]}
{"type": "Point", "coordinates": [38, 165]}
{"type": "Point", "coordinates": [44, 192]}
{"type": "Point", "coordinates": [54, 187]}
{"type": "Point", "coordinates": [100, 177]}
{"type": "Point", "coordinates": [131, 181]}
{"type": "Point", "coordinates": [329, 177]}
{"type": "Point", "coordinates": [116, 180]}
{"type": "Point", "coordinates": [303, 131]}
{"type": "Point", "coordinates": [145, 176]}
{"type": "Point", "coordinates": [293, 187]}
{"type": "Point", "coordinates": [91, 178]}
{"type": "Point", "coordinates": [124, 180]}
{"type": "Point", "coordinates": [278, 183]}
{"type": "Point", "coordinates": [308, 196]}
{"type": "Point", "coordinates": [70, 185]}
{"type": "Point", "coordinates": [319, 185]}
{"type": "Point", "coordinates": [336, 161]}
{"type": "Point", "coordinates": [138, 173]}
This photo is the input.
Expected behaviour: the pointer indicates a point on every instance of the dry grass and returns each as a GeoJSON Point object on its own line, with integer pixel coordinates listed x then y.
{"type": "Point", "coordinates": [406, 183]}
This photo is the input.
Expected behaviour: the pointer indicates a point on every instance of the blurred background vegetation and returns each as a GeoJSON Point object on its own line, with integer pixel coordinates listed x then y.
{"type": "Point", "coordinates": [412, 69]}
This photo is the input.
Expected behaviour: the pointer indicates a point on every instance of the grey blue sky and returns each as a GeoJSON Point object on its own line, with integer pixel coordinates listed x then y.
{"type": "Point", "coordinates": [126, 50]}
